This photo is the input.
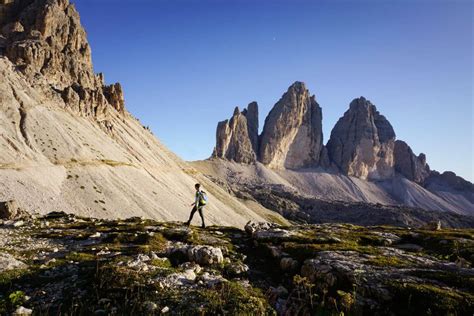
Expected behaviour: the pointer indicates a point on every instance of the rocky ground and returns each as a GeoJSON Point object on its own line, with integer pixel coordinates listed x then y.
{"type": "Point", "coordinates": [62, 264]}
{"type": "Point", "coordinates": [301, 208]}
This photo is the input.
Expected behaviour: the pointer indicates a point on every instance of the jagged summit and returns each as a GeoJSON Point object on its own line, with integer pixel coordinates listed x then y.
{"type": "Point", "coordinates": [362, 161]}
{"type": "Point", "coordinates": [291, 137]}
{"type": "Point", "coordinates": [362, 142]}
{"type": "Point", "coordinates": [237, 138]}
{"type": "Point", "coordinates": [48, 45]}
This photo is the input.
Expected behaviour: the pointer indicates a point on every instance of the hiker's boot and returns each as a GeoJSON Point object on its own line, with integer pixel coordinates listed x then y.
{"type": "Point", "coordinates": [203, 225]}
{"type": "Point", "coordinates": [187, 223]}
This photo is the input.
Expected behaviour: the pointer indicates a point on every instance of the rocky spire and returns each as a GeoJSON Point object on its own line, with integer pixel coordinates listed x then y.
{"type": "Point", "coordinates": [237, 138]}
{"type": "Point", "coordinates": [409, 165]}
{"type": "Point", "coordinates": [292, 136]}
{"type": "Point", "coordinates": [45, 40]}
{"type": "Point", "coordinates": [362, 142]}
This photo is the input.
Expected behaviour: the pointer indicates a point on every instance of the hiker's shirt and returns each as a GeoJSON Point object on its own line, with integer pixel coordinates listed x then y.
{"type": "Point", "coordinates": [198, 200]}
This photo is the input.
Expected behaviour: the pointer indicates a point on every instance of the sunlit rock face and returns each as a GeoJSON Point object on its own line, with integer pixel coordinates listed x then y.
{"type": "Point", "coordinates": [292, 136]}
{"type": "Point", "coordinates": [48, 45]}
{"type": "Point", "coordinates": [237, 138]}
{"type": "Point", "coordinates": [362, 142]}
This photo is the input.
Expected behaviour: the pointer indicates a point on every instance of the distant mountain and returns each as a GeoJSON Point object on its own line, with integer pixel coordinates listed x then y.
{"type": "Point", "coordinates": [362, 161]}
{"type": "Point", "coordinates": [67, 142]}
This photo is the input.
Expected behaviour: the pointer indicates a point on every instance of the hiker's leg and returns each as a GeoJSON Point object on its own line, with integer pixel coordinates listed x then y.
{"type": "Point", "coordinates": [192, 214]}
{"type": "Point", "coordinates": [202, 215]}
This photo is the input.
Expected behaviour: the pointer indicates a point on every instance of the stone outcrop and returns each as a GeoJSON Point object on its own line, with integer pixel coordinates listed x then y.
{"type": "Point", "coordinates": [412, 167]}
{"type": "Point", "coordinates": [10, 210]}
{"type": "Point", "coordinates": [45, 40]}
{"type": "Point", "coordinates": [292, 136]}
{"type": "Point", "coordinates": [362, 142]}
{"type": "Point", "coordinates": [237, 138]}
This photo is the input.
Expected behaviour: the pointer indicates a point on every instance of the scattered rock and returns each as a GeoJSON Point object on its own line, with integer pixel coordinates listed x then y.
{"type": "Point", "coordinates": [22, 311]}
{"type": "Point", "coordinates": [205, 255]}
{"type": "Point", "coordinates": [289, 264]}
{"type": "Point", "coordinates": [8, 262]}
{"type": "Point", "coordinates": [10, 210]}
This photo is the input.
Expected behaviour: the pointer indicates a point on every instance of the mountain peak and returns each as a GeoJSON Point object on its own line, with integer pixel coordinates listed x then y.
{"type": "Point", "coordinates": [48, 45]}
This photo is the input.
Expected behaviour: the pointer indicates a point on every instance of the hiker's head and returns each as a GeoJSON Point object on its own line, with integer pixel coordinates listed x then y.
{"type": "Point", "coordinates": [197, 186]}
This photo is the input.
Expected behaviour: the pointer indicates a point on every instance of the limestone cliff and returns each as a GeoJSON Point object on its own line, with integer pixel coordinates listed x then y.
{"type": "Point", "coordinates": [362, 142]}
{"type": "Point", "coordinates": [46, 42]}
{"type": "Point", "coordinates": [412, 167]}
{"type": "Point", "coordinates": [237, 138]}
{"type": "Point", "coordinates": [292, 136]}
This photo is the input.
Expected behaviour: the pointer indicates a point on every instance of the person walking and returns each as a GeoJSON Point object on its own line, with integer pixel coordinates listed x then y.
{"type": "Point", "coordinates": [199, 202]}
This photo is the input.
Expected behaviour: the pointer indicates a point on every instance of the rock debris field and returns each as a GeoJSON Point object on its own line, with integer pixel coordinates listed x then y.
{"type": "Point", "coordinates": [64, 264]}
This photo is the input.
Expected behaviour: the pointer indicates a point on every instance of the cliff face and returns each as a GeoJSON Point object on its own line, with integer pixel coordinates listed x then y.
{"type": "Point", "coordinates": [292, 136]}
{"type": "Point", "coordinates": [362, 142]}
{"type": "Point", "coordinates": [237, 138]}
{"type": "Point", "coordinates": [45, 40]}
{"type": "Point", "coordinates": [412, 167]}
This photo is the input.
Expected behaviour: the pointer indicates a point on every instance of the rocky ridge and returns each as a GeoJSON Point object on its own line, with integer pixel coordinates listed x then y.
{"type": "Point", "coordinates": [48, 45]}
{"type": "Point", "coordinates": [362, 146]}
{"type": "Point", "coordinates": [67, 142]}
{"type": "Point", "coordinates": [291, 137]}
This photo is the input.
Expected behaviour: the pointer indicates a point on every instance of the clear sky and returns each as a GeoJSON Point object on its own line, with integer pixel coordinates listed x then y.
{"type": "Point", "coordinates": [185, 65]}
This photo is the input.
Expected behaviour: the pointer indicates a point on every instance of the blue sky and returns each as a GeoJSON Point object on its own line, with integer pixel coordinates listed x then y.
{"type": "Point", "coordinates": [185, 65]}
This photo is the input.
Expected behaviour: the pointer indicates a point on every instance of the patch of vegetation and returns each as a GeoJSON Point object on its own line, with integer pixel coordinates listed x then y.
{"type": "Point", "coordinates": [387, 261]}
{"type": "Point", "coordinates": [427, 299]}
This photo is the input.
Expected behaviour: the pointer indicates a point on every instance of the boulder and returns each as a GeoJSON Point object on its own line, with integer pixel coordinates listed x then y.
{"type": "Point", "coordinates": [252, 227]}
{"type": "Point", "coordinates": [8, 262]}
{"type": "Point", "coordinates": [205, 255]}
{"type": "Point", "coordinates": [10, 210]}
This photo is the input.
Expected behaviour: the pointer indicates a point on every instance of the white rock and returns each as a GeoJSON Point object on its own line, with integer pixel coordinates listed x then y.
{"type": "Point", "coordinates": [8, 262]}
{"type": "Point", "coordinates": [22, 311]}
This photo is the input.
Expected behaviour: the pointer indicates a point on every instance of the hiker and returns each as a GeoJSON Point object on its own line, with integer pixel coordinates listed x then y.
{"type": "Point", "coordinates": [199, 202]}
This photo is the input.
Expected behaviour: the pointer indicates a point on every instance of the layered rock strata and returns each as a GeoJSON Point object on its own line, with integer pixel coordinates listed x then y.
{"type": "Point", "coordinates": [48, 45]}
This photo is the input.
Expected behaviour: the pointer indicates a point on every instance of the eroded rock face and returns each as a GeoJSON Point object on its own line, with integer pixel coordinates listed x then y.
{"type": "Point", "coordinates": [292, 136]}
{"type": "Point", "coordinates": [237, 138]}
{"type": "Point", "coordinates": [412, 167]}
{"type": "Point", "coordinates": [45, 40]}
{"type": "Point", "coordinates": [362, 142]}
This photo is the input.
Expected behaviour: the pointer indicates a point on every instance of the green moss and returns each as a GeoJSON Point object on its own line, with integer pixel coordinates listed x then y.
{"type": "Point", "coordinates": [80, 256]}
{"type": "Point", "coordinates": [161, 263]}
{"type": "Point", "coordinates": [7, 277]}
{"type": "Point", "coordinates": [430, 299]}
{"type": "Point", "coordinates": [305, 251]}
{"type": "Point", "coordinates": [387, 261]}
{"type": "Point", "coordinates": [232, 298]}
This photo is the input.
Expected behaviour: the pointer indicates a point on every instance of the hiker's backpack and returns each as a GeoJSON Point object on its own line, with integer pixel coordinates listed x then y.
{"type": "Point", "coordinates": [203, 198]}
